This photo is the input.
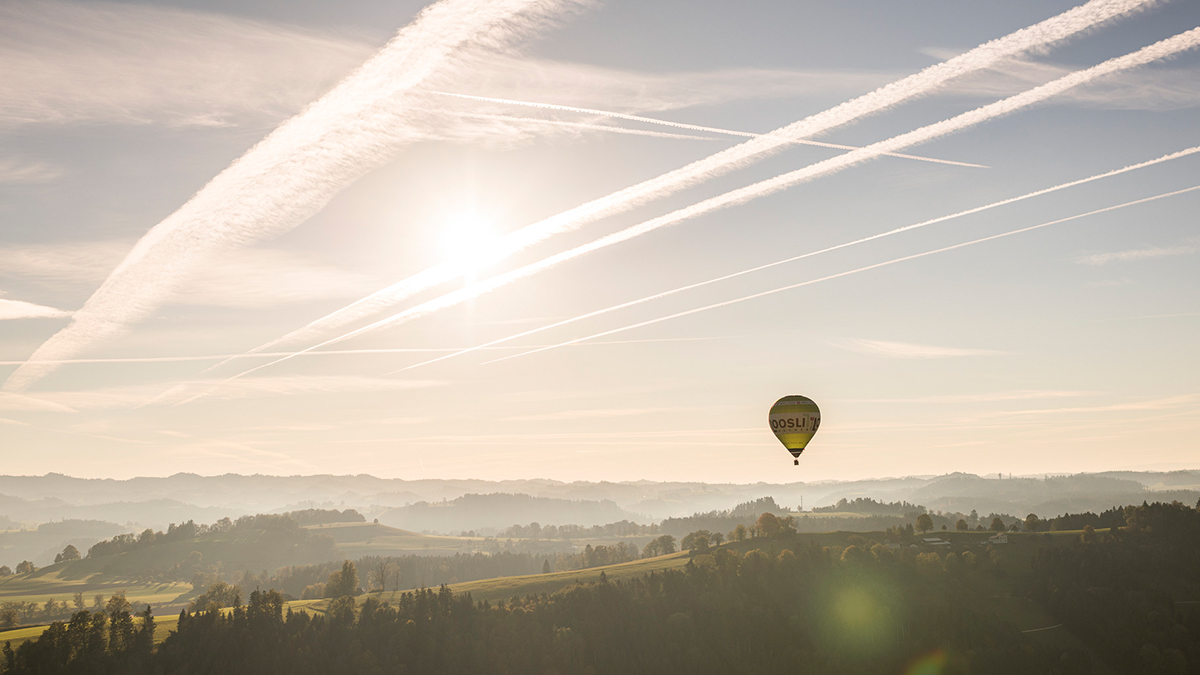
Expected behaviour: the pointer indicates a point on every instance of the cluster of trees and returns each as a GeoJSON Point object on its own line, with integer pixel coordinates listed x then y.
{"type": "Point", "coordinates": [342, 582]}
{"type": "Point", "coordinates": [23, 567]}
{"type": "Point", "coordinates": [15, 613]}
{"type": "Point", "coordinates": [868, 505]}
{"type": "Point", "coordinates": [600, 555]}
{"type": "Point", "coordinates": [325, 516]}
{"type": "Point", "coordinates": [624, 528]}
{"type": "Point", "coordinates": [107, 640]}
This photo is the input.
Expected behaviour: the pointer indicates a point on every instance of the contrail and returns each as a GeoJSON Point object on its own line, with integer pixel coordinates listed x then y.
{"type": "Point", "coordinates": [689, 127]}
{"type": "Point", "coordinates": [578, 125]}
{"type": "Point", "coordinates": [1039, 35]}
{"type": "Point", "coordinates": [810, 282]}
{"type": "Point", "coordinates": [1154, 52]}
{"type": "Point", "coordinates": [331, 352]}
{"type": "Point", "coordinates": [759, 268]}
{"type": "Point", "coordinates": [294, 171]}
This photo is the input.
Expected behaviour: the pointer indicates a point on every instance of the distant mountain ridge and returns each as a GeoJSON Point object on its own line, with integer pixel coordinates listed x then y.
{"type": "Point", "coordinates": [155, 502]}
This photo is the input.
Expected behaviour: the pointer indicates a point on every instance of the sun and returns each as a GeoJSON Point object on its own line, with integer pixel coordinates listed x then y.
{"type": "Point", "coordinates": [468, 239]}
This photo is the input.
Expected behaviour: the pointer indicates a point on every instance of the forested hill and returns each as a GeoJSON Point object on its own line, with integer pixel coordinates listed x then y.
{"type": "Point", "coordinates": [1116, 601]}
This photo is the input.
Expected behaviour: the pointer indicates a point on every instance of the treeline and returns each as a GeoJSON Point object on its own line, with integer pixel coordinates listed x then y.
{"type": "Point", "coordinates": [380, 573]}
{"type": "Point", "coordinates": [325, 516]}
{"type": "Point", "coordinates": [624, 528]}
{"type": "Point", "coordinates": [868, 505]}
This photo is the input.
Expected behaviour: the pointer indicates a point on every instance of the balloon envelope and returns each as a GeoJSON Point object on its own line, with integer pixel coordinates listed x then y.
{"type": "Point", "coordinates": [795, 419]}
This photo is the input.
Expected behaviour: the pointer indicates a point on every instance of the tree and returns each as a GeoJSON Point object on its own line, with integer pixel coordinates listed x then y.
{"type": "Point", "coordinates": [738, 533]}
{"type": "Point", "coordinates": [79, 603]}
{"type": "Point", "coordinates": [924, 523]}
{"type": "Point", "coordinates": [1032, 522]}
{"type": "Point", "coordinates": [68, 554]}
{"type": "Point", "coordinates": [660, 546]}
{"type": "Point", "coordinates": [116, 604]}
{"type": "Point", "coordinates": [26, 567]}
{"type": "Point", "coordinates": [767, 525]}
{"type": "Point", "coordinates": [717, 538]}
{"type": "Point", "coordinates": [9, 619]}
{"type": "Point", "coordinates": [380, 572]}
{"type": "Point", "coordinates": [342, 583]}
{"type": "Point", "coordinates": [997, 525]}
{"type": "Point", "coordinates": [698, 540]}
{"type": "Point", "coordinates": [218, 595]}
{"type": "Point", "coordinates": [961, 525]}
{"type": "Point", "coordinates": [546, 566]}
{"type": "Point", "coordinates": [5, 571]}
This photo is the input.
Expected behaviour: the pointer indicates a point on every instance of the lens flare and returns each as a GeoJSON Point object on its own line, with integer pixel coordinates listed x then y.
{"type": "Point", "coordinates": [933, 663]}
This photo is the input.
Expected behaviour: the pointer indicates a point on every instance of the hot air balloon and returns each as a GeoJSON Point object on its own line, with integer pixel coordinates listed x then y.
{"type": "Point", "coordinates": [795, 419]}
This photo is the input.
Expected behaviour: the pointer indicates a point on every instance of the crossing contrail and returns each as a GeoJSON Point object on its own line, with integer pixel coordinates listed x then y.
{"type": "Point", "coordinates": [294, 171]}
{"type": "Point", "coordinates": [1157, 51]}
{"type": "Point", "coordinates": [1037, 36]}
{"type": "Point", "coordinates": [839, 275]}
{"type": "Point", "coordinates": [688, 127]}
{"type": "Point", "coordinates": [1037, 193]}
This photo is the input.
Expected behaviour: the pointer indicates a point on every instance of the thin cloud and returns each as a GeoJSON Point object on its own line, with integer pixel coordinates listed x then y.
{"type": "Point", "coordinates": [1168, 403]}
{"type": "Point", "coordinates": [137, 64]}
{"type": "Point", "coordinates": [24, 171]}
{"type": "Point", "coordinates": [1171, 87]}
{"type": "Point", "coordinates": [17, 309]}
{"type": "Point", "coordinates": [11, 401]}
{"type": "Point", "coordinates": [1021, 395]}
{"type": "Point", "coordinates": [905, 350]}
{"type": "Point", "coordinates": [1135, 254]}
{"type": "Point", "coordinates": [1040, 35]}
{"type": "Point", "coordinates": [294, 171]}
{"type": "Point", "coordinates": [74, 263]}
{"type": "Point", "coordinates": [146, 395]}
{"type": "Point", "coordinates": [596, 413]}
{"type": "Point", "coordinates": [267, 278]}
{"type": "Point", "coordinates": [246, 278]}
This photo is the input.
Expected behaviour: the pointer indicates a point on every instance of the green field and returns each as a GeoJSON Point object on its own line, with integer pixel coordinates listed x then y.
{"type": "Point", "coordinates": [61, 582]}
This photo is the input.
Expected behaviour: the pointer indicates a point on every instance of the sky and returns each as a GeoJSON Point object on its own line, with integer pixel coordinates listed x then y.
{"type": "Point", "coordinates": [191, 193]}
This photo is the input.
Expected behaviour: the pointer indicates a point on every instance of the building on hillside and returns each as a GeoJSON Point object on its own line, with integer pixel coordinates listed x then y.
{"type": "Point", "coordinates": [934, 541]}
{"type": "Point", "coordinates": [998, 538]}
